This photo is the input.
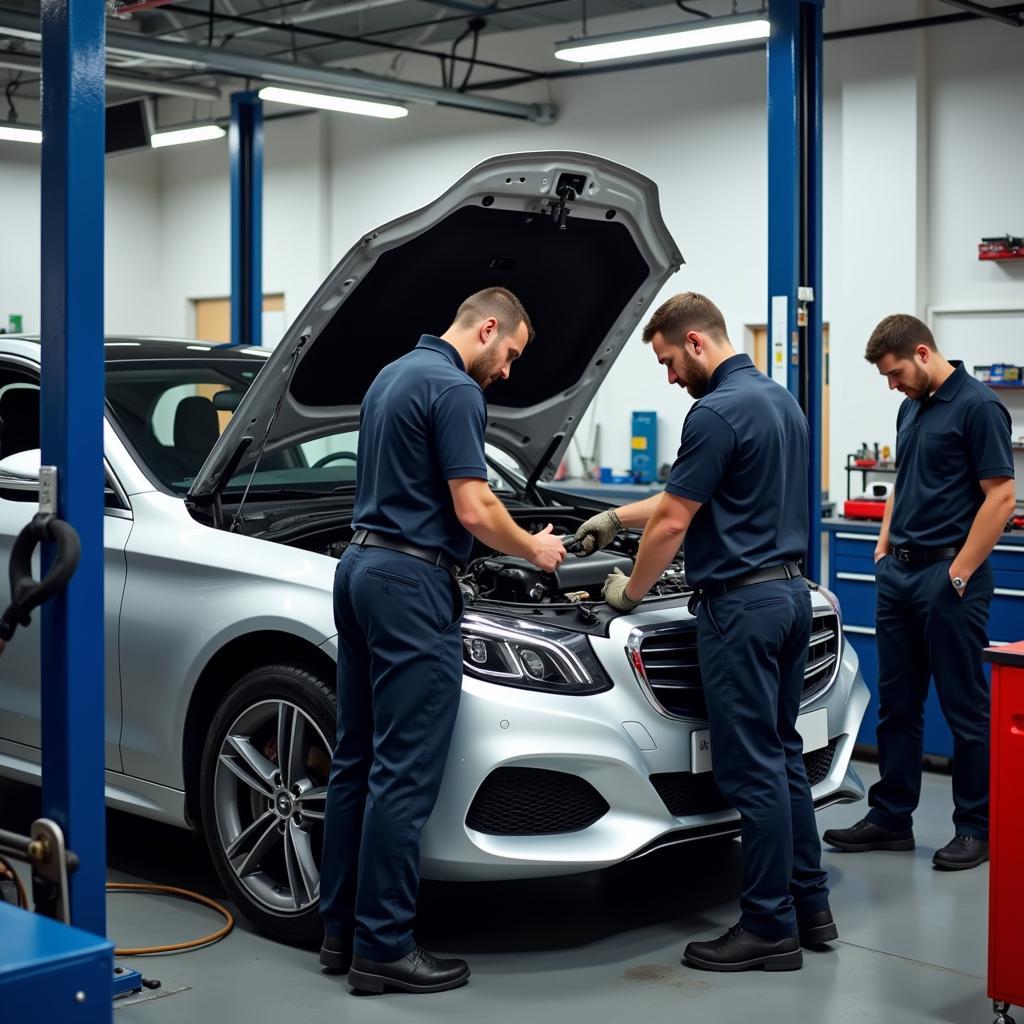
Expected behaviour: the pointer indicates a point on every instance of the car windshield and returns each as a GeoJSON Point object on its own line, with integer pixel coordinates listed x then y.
{"type": "Point", "coordinates": [173, 412]}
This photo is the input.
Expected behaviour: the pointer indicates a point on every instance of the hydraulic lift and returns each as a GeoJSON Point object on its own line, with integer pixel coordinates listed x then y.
{"type": "Point", "coordinates": [794, 226]}
{"type": "Point", "coordinates": [48, 969]}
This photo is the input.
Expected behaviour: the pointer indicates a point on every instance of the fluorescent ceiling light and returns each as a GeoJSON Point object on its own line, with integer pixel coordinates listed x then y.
{"type": "Point", "coordinates": [620, 45]}
{"type": "Point", "coordinates": [12, 133]}
{"type": "Point", "coordinates": [178, 137]}
{"type": "Point", "coordinates": [322, 101]}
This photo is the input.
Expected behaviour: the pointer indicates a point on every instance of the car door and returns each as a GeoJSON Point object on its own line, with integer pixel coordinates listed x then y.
{"type": "Point", "coordinates": [20, 722]}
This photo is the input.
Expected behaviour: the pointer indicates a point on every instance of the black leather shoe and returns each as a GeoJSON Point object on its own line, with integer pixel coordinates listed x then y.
{"type": "Point", "coordinates": [866, 835]}
{"type": "Point", "coordinates": [418, 971]}
{"type": "Point", "coordinates": [817, 929]}
{"type": "Point", "coordinates": [335, 955]}
{"type": "Point", "coordinates": [961, 853]}
{"type": "Point", "coordinates": [739, 950]}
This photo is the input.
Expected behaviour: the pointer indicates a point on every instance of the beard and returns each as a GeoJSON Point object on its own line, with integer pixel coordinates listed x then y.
{"type": "Point", "coordinates": [487, 368]}
{"type": "Point", "coordinates": [919, 387]}
{"type": "Point", "coordinates": [697, 378]}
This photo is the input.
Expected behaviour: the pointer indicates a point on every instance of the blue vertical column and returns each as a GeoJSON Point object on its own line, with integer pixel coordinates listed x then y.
{"type": "Point", "coordinates": [245, 144]}
{"type": "Point", "coordinates": [72, 436]}
{"type": "Point", "coordinates": [794, 225]}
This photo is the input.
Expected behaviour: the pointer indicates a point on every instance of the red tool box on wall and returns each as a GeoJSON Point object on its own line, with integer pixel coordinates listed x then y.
{"type": "Point", "coordinates": [1006, 828]}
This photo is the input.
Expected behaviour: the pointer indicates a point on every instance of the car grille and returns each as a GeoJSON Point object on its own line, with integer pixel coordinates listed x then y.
{"type": "Point", "coordinates": [534, 802]}
{"type": "Point", "coordinates": [685, 793]}
{"type": "Point", "coordinates": [665, 658]}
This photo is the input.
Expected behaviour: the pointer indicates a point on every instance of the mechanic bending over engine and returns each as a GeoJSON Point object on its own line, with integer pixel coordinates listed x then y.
{"type": "Point", "coordinates": [737, 499]}
{"type": "Point", "coordinates": [421, 497]}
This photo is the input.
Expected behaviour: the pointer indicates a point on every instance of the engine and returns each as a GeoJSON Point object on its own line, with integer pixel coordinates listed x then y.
{"type": "Point", "coordinates": [505, 578]}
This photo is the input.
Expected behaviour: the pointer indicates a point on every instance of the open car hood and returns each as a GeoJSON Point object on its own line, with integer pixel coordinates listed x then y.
{"type": "Point", "coordinates": [586, 269]}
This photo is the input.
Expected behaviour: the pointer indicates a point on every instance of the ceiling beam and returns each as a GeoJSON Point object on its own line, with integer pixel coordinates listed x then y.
{"type": "Point", "coordinates": [987, 12]}
{"type": "Point", "coordinates": [201, 58]}
{"type": "Point", "coordinates": [135, 83]}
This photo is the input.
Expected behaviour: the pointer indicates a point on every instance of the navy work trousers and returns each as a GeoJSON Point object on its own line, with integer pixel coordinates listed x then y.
{"type": "Point", "coordinates": [923, 630]}
{"type": "Point", "coordinates": [752, 646]}
{"type": "Point", "coordinates": [399, 681]}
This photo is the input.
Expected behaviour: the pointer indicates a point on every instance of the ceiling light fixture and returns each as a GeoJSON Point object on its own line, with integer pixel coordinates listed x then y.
{"type": "Point", "coordinates": [179, 136]}
{"type": "Point", "coordinates": [643, 42]}
{"type": "Point", "coordinates": [323, 101]}
{"type": "Point", "coordinates": [16, 133]}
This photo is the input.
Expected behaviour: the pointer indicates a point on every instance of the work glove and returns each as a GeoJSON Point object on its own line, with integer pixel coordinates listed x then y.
{"type": "Point", "coordinates": [597, 532]}
{"type": "Point", "coordinates": [614, 591]}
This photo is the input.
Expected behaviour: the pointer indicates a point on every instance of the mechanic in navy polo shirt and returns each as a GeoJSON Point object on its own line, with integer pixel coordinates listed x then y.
{"type": "Point", "coordinates": [952, 498]}
{"type": "Point", "coordinates": [737, 499]}
{"type": "Point", "coordinates": [421, 497]}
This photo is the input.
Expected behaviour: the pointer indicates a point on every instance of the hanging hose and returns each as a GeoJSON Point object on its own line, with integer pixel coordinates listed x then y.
{"type": "Point", "coordinates": [27, 593]}
{"type": "Point", "coordinates": [170, 890]}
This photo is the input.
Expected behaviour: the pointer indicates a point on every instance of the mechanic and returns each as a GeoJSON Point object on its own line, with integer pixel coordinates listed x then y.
{"type": "Point", "coordinates": [737, 498]}
{"type": "Point", "coordinates": [953, 495]}
{"type": "Point", "coordinates": [421, 497]}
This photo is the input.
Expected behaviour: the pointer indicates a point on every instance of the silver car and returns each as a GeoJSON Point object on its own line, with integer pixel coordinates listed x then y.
{"type": "Point", "coordinates": [582, 736]}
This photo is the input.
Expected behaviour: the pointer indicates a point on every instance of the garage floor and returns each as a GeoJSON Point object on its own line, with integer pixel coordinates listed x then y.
{"type": "Point", "coordinates": [601, 948]}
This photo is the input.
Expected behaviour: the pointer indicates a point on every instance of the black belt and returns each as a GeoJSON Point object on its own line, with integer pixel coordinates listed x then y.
{"type": "Point", "coordinates": [917, 556]}
{"type": "Point", "coordinates": [788, 571]}
{"type": "Point", "coordinates": [367, 539]}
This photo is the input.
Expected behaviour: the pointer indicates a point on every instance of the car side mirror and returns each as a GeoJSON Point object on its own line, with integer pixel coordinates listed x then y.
{"type": "Point", "coordinates": [19, 473]}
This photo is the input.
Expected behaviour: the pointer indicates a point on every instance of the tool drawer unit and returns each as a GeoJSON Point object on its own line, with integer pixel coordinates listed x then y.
{"type": "Point", "coordinates": [851, 577]}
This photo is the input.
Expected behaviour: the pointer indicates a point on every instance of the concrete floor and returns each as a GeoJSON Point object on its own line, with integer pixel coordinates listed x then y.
{"type": "Point", "coordinates": [601, 948]}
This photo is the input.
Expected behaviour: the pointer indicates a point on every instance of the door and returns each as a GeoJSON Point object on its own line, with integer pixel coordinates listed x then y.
{"type": "Point", "coordinates": [213, 319]}
{"type": "Point", "coordinates": [20, 721]}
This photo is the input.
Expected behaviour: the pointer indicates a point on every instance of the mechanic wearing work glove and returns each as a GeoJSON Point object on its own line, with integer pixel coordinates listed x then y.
{"type": "Point", "coordinates": [738, 495]}
{"type": "Point", "coordinates": [421, 497]}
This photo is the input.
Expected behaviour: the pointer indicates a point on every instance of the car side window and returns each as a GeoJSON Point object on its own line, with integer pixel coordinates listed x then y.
{"type": "Point", "coordinates": [19, 425]}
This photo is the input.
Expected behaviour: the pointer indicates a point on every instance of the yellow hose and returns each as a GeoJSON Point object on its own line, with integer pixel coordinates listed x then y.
{"type": "Point", "coordinates": [170, 890]}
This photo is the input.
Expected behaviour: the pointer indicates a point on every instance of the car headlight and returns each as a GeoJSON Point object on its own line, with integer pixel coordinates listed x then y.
{"type": "Point", "coordinates": [530, 656]}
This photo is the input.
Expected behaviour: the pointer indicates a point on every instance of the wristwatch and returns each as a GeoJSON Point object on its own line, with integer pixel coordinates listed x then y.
{"type": "Point", "coordinates": [959, 584]}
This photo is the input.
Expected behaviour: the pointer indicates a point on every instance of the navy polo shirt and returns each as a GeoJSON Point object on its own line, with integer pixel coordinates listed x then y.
{"type": "Point", "coordinates": [743, 455]}
{"type": "Point", "coordinates": [945, 444]}
{"type": "Point", "coordinates": [421, 424]}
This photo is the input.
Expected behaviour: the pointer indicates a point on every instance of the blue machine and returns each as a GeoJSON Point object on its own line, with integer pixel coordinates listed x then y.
{"type": "Point", "coordinates": [52, 972]}
{"type": "Point", "coordinates": [644, 448]}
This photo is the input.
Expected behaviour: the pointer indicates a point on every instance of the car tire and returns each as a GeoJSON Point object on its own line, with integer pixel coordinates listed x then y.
{"type": "Point", "coordinates": [263, 821]}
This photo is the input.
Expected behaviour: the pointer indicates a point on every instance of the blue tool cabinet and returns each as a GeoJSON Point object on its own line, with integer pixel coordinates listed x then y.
{"type": "Point", "coordinates": [851, 577]}
{"type": "Point", "coordinates": [52, 973]}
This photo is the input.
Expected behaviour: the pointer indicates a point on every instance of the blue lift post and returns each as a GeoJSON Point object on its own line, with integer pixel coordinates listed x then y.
{"type": "Point", "coordinates": [794, 225]}
{"type": "Point", "coordinates": [72, 437]}
{"type": "Point", "coordinates": [245, 145]}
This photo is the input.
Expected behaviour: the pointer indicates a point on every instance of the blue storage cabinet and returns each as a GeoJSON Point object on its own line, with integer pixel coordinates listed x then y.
{"type": "Point", "coordinates": [851, 577]}
{"type": "Point", "coordinates": [644, 448]}
{"type": "Point", "coordinates": [52, 973]}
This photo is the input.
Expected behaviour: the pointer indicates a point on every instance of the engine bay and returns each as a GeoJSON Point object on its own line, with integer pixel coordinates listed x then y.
{"type": "Point", "coordinates": [491, 578]}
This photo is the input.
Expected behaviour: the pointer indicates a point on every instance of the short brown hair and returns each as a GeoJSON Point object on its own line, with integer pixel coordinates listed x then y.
{"type": "Point", "coordinates": [688, 311]}
{"type": "Point", "coordinates": [499, 303]}
{"type": "Point", "coordinates": [899, 334]}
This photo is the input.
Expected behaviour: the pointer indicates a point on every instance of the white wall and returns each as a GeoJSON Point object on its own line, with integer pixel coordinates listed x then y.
{"type": "Point", "coordinates": [131, 225]}
{"type": "Point", "coordinates": [923, 150]}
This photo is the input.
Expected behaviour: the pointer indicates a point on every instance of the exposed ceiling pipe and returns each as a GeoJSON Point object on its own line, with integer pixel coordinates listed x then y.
{"type": "Point", "coordinates": [134, 83]}
{"type": "Point", "coordinates": [202, 59]}
{"type": "Point", "coordinates": [122, 9]}
{"type": "Point", "coordinates": [987, 12]}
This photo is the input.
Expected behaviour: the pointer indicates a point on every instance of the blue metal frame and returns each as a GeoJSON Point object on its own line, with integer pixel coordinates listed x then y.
{"type": "Point", "coordinates": [245, 144]}
{"type": "Point", "coordinates": [72, 437]}
{"type": "Point", "coordinates": [795, 219]}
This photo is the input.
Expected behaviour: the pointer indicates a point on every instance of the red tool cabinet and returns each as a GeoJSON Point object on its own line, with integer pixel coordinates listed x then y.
{"type": "Point", "coordinates": [1006, 830]}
